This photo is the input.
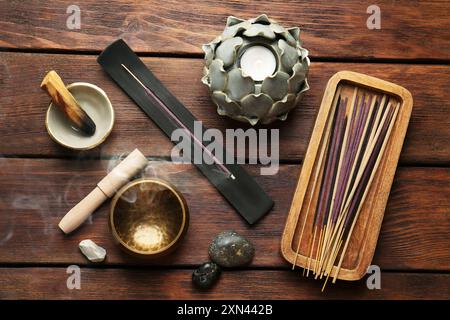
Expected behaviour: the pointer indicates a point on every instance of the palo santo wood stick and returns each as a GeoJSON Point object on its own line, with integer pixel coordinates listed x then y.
{"type": "Point", "coordinates": [55, 88]}
{"type": "Point", "coordinates": [105, 189]}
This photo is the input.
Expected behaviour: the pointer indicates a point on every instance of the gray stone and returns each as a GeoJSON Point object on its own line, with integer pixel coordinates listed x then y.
{"type": "Point", "coordinates": [229, 249]}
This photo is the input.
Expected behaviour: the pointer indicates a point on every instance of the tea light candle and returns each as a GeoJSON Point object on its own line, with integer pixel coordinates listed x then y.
{"type": "Point", "coordinates": [258, 62]}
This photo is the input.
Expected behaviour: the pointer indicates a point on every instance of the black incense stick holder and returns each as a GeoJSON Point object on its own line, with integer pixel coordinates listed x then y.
{"type": "Point", "coordinates": [242, 192]}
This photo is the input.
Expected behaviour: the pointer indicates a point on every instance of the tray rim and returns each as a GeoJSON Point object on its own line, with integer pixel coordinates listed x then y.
{"type": "Point", "coordinates": [406, 103]}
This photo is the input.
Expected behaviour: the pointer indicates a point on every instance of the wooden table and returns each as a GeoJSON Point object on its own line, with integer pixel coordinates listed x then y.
{"type": "Point", "coordinates": [40, 181]}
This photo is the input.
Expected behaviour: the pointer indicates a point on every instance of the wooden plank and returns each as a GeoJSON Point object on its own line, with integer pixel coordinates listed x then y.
{"type": "Point", "coordinates": [23, 111]}
{"type": "Point", "coordinates": [330, 28]}
{"type": "Point", "coordinates": [36, 193]}
{"type": "Point", "coordinates": [36, 283]}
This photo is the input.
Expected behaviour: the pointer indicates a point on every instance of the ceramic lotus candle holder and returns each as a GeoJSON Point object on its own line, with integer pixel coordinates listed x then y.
{"type": "Point", "coordinates": [256, 70]}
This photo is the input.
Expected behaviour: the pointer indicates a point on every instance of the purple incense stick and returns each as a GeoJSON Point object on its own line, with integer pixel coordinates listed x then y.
{"type": "Point", "coordinates": [350, 153]}
{"type": "Point", "coordinates": [363, 183]}
{"type": "Point", "coordinates": [327, 180]}
{"type": "Point", "coordinates": [318, 213]}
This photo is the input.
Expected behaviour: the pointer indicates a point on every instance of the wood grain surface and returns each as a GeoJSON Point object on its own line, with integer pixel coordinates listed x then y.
{"type": "Point", "coordinates": [40, 181]}
{"type": "Point", "coordinates": [331, 29]}
{"type": "Point", "coordinates": [147, 283]}
{"type": "Point", "coordinates": [23, 115]}
{"type": "Point", "coordinates": [38, 192]}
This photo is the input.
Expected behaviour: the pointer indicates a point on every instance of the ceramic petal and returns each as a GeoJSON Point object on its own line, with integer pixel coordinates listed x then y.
{"type": "Point", "coordinates": [276, 86]}
{"type": "Point", "coordinates": [225, 106]}
{"type": "Point", "coordinates": [295, 82]}
{"type": "Point", "coordinates": [283, 106]}
{"type": "Point", "coordinates": [233, 30]}
{"type": "Point", "coordinates": [261, 18]}
{"type": "Point", "coordinates": [226, 51]}
{"type": "Point", "coordinates": [209, 49]}
{"type": "Point", "coordinates": [289, 55]}
{"type": "Point", "coordinates": [304, 88]}
{"type": "Point", "coordinates": [259, 30]}
{"type": "Point", "coordinates": [231, 21]}
{"type": "Point", "coordinates": [294, 32]}
{"type": "Point", "coordinates": [239, 85]}
{"type": "Point", "coordinates": [284, 33]}
{"type": "Point", "coordinates": [303, 53]}
{"type": "Point", "coordinates": [217, 75]}
{"type": "Point", "coordinates": [205, 78]}
{"type": "Point", "coordinates": [255, 107]}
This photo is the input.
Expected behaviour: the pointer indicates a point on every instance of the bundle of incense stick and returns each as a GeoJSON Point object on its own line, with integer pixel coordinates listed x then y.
{"type": "Point", "coordinates": [353, 143]}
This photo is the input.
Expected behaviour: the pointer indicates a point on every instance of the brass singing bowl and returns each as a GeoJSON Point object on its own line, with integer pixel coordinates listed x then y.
{"type": "Point", "coordinates": [148, 218]}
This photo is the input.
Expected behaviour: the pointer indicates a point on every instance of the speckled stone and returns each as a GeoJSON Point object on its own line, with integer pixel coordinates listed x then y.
{"type": "Point", "coordinates": [229, 249]}
{"type": "Point", "coordinates": [206, 275]}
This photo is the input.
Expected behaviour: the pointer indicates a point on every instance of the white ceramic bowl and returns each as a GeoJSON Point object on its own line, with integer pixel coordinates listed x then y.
{"type": "Point", "coordinates": [96, 104]}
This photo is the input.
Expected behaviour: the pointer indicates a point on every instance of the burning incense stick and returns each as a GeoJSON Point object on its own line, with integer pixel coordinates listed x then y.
{"type": "Point", "coordinates": [165, 108]}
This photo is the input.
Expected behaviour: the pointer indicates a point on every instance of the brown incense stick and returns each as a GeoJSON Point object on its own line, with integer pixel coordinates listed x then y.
{"type": "Point", "coordinates": [343, 187]}
{"type": "Point", "coordinates": [364, 185]}
{"type": "Point", "coordinates": [330, 176]}
{"type": "Point", "coordinates": [325, 149]}
{"type": "Point", "coordinates": [378, 160]}
{"type": "Point", "coordinates": [357, 196]}
{"type": "Point", "coordinates": [316, 174]}
{"type": "Point", "coordinates": [341, 155]}
{"type": "Point", "coordinates": [360, 118]}
{"type": "Point", "coordinates": [347, 213]}
{"type": "Point", "coordinates": [354, 140]}
{"type": "Point", "coordinates": [355, 146]}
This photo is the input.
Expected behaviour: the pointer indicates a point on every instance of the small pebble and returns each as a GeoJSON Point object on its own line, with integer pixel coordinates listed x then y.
{"type": "Point", "coordinates": [206, 275]}
{"type": "Point", "coordinates": [92, 251]}
{"type": "Point", "coordinates": [229, 249]}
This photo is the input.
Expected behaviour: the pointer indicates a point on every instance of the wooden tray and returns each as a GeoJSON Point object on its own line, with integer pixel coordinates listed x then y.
{"type": "Point", "coordinates": [364, 238]}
